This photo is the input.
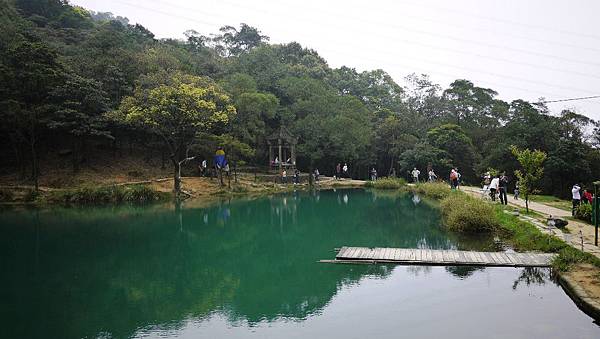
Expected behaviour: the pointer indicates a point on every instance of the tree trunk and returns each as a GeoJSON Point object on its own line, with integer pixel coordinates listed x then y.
{"type": "Point", "coordinates": [34, 165]}
{"type": "Point", "coordinates": [235, 171]}
{"type": "Point", "coordinates": [177, 178]}
{"type": "Point", "coordinates": [75, 156]}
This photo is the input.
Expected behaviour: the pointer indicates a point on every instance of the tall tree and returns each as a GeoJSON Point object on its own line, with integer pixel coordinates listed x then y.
{"type": "Point", "coordinates": [178, 112]}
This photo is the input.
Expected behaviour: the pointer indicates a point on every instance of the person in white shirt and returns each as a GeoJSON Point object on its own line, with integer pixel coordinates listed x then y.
{"type": "Point", "coordinates": [494, 187]}
{"type": "Point", "coordinates": [576, 198]}
{"type": "Point", "coordinates": [432, 176]}
{"type": "Point", "coordinates": [415, 174]}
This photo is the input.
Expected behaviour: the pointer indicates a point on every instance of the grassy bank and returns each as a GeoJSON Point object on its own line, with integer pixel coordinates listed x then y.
{"type": "Point", "coordinates": [386, 183]}
{"type": "Point", "coordinates": [466, 214]}
{"type": "Point", "coordinates": [135, 194]}
{"type": "Point", "coordinates": [524, 236]}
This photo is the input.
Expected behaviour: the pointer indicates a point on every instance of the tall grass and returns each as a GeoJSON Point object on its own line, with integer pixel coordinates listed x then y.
{"type": "Point", "coordinates": [386, 183]}
{"type": "Point", "coordinates": [106, 195]}
{"type": "Point", "coordinates": [465, 214]}
{"type": "Point", "coordinates": [434, 190]}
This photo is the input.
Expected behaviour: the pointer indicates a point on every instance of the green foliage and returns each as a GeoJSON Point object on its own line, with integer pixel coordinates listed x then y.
{"type": "Point", "coordinates": [531, 170]}
{"type": "Point", "coordinates": [106, 195]}
{"type": "Point", "coordinates": [524, 236]}
{"type": "Point", "coordinates": [453, 140]}
{"type": "Point", "coordinates": [465, 214]}
{"type": "Point", "coordinates": [387, 183]}
{"type": "Point", "coordinates": [63, 67]}
{"type": "Point", "coordinates": [584, 212]}
{"type": "Point", "coordinates": [434, 190]}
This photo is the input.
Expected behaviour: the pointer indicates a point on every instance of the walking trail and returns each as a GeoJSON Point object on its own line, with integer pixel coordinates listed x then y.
{"type": "Point", "coordinates": [577, 229]}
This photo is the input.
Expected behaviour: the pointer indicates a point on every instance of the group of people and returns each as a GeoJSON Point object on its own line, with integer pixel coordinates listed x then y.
{"type": "Point", "coordinates": [431, 176]}
{"type": "Point", "coordinates": [498, 185]}
{"type": "Point", "coordinates": [295, 176]}
{"type": "Point", "coordinates": [579, 197]}
{"type": "Point", "coordinates": [341, 171]}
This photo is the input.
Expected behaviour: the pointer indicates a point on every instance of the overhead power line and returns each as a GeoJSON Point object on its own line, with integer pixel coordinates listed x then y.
{"type": "Point", "coordinates": [376, 60]}
{"type": "Point", "coordinates": [505, 21]}
{"type": "Point", "coordinates": [569, 99]}
{"type": "Point", "coordinates": [418, 43]}
{"type": "Point", "coordinates": [434, 34]}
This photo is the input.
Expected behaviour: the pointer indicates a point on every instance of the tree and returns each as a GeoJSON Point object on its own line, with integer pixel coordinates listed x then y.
{"type": "Point", "coordinates": [232, 42]}
{"type": "Point", "coordinates": [178, 112]}
{"type": "Point", "coordinates": [531, 170]}
{"type": "Point", "coordinates": [458, 145]}
{"type": "Point", "coordinates": [31, 72]}
{"type": "Point", "coordinates": [78, 105]}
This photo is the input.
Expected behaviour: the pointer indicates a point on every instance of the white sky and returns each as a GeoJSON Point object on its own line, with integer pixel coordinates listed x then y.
{"type": "Point", "coordinates": [522, 49]}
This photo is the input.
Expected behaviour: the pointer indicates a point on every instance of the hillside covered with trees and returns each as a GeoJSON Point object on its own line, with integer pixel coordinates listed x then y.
{"type": "Point", "coordinates": [76, 84]}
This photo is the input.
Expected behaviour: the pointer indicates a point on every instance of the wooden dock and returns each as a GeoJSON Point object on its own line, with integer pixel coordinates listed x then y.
{"type": "Point", "coordinates": [416, 256]}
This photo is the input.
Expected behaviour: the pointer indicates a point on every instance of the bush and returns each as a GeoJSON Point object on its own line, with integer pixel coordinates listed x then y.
{"type": "Point", "coordinates": [141, 194]}
{"type": "Point", "coordinates": [462, 213]}
{"type": "Point", "coordinates": [387, 183]}
{"type": "Point", "coordinates": [435, 190]}
{"type": "Point", "coordinates": [106, 195]}
{"type": "Point", "coordinates": [584, 212]}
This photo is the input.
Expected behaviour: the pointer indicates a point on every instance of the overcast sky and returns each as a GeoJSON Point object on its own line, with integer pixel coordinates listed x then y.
{"type": "Point", "coordinates": [522, 49]}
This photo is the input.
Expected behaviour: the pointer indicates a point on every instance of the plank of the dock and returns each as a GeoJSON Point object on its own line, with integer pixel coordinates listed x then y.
{"type": "Point", "coordinates": [442, 257]}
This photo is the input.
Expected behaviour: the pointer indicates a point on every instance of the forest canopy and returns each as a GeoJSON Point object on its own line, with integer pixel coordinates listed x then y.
{"type": "Point", "coordinates": [77, 79]}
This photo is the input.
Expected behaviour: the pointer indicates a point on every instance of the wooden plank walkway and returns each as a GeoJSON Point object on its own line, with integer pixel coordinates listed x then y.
{"type": "Point", "coordinates": [417, 256]}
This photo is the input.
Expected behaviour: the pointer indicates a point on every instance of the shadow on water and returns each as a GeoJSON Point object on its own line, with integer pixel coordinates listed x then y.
{"type": "Point", "coordinates": [81, 272]}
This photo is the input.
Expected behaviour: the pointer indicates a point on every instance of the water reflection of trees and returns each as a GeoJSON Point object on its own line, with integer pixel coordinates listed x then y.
{"type": "Point", "coordinates": [127, 270]}
{"type": "Point", "coordinates": [532, 276]}
{"type": "Point", "coordinates": [463, 271]}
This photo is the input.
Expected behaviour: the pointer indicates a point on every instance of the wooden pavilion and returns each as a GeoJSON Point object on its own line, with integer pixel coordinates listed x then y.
{"type": "Point", "coordinates": [282, 149]}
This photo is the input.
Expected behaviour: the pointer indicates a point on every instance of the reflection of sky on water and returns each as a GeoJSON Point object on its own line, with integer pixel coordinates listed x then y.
{"type": "Point", "coordinates": [420, 302]}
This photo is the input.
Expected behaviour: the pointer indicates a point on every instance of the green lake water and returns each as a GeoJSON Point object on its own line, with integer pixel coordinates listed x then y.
{"type": "Point", "coordinates": [248, 269]}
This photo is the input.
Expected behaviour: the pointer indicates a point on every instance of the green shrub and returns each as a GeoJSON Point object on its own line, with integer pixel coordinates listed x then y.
{"type": "Point", "coordinates": [386, 183]}
{"type": "Point", "coordinates": [569, 256]}
{"type": "Point", "coordinates": [239, 189]}
{"type": "Point", "coordinates": [462, 213]}
{"type": "Point", "coordinates": [106, 195]}
{"type": "Point", "coordinates": [141, 194]}
{"type": "Point", "coordinates": [584, 212]}
{"type": "Point", "coordinates": [435, 190]}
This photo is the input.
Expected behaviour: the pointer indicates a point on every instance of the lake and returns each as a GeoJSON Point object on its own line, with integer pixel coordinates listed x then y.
{"type": "Point", "coordinates": [247, 268]}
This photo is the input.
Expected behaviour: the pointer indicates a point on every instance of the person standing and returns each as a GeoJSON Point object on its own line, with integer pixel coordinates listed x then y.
{"type": "Point", "coordinates": [317, 175]}
{"type": "Point", "coordinates": [373, 174]}
{"type": "Point", "coordinates": [345, 169]}
{"type": "Point", "coordinates": [284, 177]}
{"type": "Point", "coordinates": [502, 187]}
{"type": "Point", "coordinates": [587, 197]}
{"type": "Point", "coordinates": [458, 175]}
{"type": "Point", "coordinates": [338, 171]}
{"type": "Point", "coordinates": [296, 177]}
{"type": "Point", "coordinates": [516, 196]}
{"type": "Point", "coordinates": [453, 179]}
{"type": "Point", "coordinates": [431, 175]}
{"type": "Point", "coordinates": [415, 174]}
{"type": "Point", "coordinates": [494, 185]}
{"type": "Point", "coordinates": [576, 198]}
